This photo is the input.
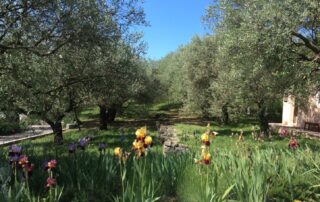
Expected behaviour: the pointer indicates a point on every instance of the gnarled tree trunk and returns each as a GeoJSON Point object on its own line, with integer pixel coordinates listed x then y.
{"type": "Point", "coordinates": [225, 114]}
{"type": "Point", "coordinates": [56, 127]}
{"type": "Point", "coordinates": [103, 116]}
{"type": "Point", "coordinates": [112, 112]}
{"type": "Point", "coordinates": [77, 120]}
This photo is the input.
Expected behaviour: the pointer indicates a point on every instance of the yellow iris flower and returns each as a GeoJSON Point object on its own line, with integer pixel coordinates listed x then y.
{"type": "Point", "coordinates": [117, 151]}
{"type": "Point", "coordinates": [141, 132]}
{"type": "Point", "coordinates": [206, 156]}
{"type": "Point", "coordinates": [137, 144]}
{"type": "Point", "coordinates": [148, 140]}
{"type": "Point", "coordinates": [205, 137]}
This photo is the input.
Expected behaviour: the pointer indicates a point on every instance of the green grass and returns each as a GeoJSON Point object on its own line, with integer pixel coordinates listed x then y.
{"type": "Point", "coordinates": [134, 111]}
{"type": "Point", "coordinates": [89, 114]}
{"type": "Point", "coordinates": [225, 140]}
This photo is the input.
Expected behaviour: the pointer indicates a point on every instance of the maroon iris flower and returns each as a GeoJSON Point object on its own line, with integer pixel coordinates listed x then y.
{"type": "Point", "coordinates": [28, 168]}
{"type": "Point", "coordinates": [49, 165]}
{"type": "Point", "coordinates": [293, 144]}
{"type": "Point", "coordinates": [51, 182]}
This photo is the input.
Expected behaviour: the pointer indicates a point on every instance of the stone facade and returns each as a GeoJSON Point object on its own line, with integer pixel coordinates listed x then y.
{"type": "Point", "coordinates": [294, 116]}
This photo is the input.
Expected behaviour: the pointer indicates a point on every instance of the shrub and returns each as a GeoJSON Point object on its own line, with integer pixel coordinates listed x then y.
{"type": "Point", "coordinates": [7, 128]}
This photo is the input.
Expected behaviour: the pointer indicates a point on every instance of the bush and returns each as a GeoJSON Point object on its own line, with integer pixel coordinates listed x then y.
{"type": "Point", "coordinates": [7, 128]}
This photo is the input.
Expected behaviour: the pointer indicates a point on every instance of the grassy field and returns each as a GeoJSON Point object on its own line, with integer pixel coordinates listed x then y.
{"type": "Point", "coordinates": [248, 170]}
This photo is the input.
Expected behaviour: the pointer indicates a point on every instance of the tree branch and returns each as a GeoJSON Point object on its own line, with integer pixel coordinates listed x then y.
{"type": "Point", "coordinates": [307, 42]}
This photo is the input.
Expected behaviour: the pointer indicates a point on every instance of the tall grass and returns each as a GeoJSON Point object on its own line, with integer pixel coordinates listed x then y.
{"type": "Point", "coordinates": [247, 171]}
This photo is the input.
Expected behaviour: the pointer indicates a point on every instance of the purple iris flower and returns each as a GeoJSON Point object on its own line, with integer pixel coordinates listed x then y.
{"type": "Point", "coordinates": [14, 158]}
{"type": "Point", "coordinates": [83, 143]}
{"type": "Point", "coordinates": [72, 148]}
{"type": "Point", "coordinates": [102, 147]}
{"type": "Point", "coordinates": [15, 150]}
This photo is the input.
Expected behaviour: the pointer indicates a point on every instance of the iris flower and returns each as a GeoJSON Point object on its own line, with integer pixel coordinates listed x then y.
{"type": "Point", "coordinates": [206, 157]}
{"type": "Point", "coordinates": [137, 144]}
{"type": "Point", "coordinates": [102, 147]}
{"type": "Point", "coordinates": [83, 143]}
{"type": "Point", "coordinates": [50, 164]}
{"type": "Point", "coordinates": [148, 140]}
{"type": "Point", "coordinates": [118, 152]}
{"type": "Point", "coordinates": [72, 148]}
{"type": "Point", "coordinates": [51, 182]}
{"type": "Point", "coordinates": [28, 167]}
{"type": "Point", "coordinates": [15, 149]}
{"type": "Point", "coordinates": [141, 133]}
{"type": "Point", "coordinates": [14, 158]}
{"type": "Point", "coordinates": [293, 144]}
{"type": "Point", "coordinates": [23, 160]}
{"type": "Point", "coordinates": [205, 139]}
{"type": "Point", "coordinates": [282, 132]}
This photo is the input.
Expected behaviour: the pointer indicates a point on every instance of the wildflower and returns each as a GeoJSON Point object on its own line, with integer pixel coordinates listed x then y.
{"type": "Point", "coordinates": [14, 153]}
{"type": "Point", "coordinates": [83, 142]}
{"type": "Point", "coordinates": [137, 144]}
{"type": "Point", "coordinates": [72, 148]}
{"type": "Point", "coordinates": [51, 182]}
{"type": "Point", "coordinates": [118, 152]}
{"type": "Point", "coordinates": [14, 158]}
{"type": "Point", "coordinates": [50, 165]}
{"type": "Point", "coordinates": [139, 148]}
{"type": "Point", "coordinates": [206, 157]}
{"type": "Point", "coordinates": [28, 168]}
{"type": "Point", "coordinates": [148, 140]}
{"type": "Point", "coordinates": [102, 147]}
{"type": "Point", "coordinates": [23, 160]}
{"type": "Point", "coordinates": [15, 150]}
{"type": "Point", "coordinates": [205, 139]}
{"type": "Point", "coordinates": [282, 132]}
{"type": "Point", "coordinates": [293, 144]}
{"type": "Point", "coordinates": [141, 133]}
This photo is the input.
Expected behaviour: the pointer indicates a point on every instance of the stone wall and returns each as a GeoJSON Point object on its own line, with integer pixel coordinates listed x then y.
{"type": "Point", "coordinates": [310, 114]}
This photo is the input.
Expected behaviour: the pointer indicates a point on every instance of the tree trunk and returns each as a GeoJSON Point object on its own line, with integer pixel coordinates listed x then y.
{"type": "Point", "coordinates": [204, 112]}
{"type": "Point", "coordinates": [112, 112]}
{"type": "Point", "coordinates": [57, 131]}
{"type": "Point", "coordinates": [103, 117]}
{"type": "Point", "coordinates": [263, 119]}
{"type": "Point", "coordinates": [77, 120]}
{"type": "Point", "coordinates": [225, 114]}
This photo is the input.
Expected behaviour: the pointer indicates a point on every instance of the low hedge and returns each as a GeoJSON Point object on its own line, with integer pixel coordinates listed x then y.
{"type": "Point", "coordinates": [7, 128]}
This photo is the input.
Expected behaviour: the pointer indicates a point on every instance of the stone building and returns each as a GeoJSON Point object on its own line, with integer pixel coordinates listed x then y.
{"type": "Point", "coordinates": [294, 116]}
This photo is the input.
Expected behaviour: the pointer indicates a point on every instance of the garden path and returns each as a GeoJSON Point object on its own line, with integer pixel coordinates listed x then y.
{"type": "Point", "coordinates": [34, 131]}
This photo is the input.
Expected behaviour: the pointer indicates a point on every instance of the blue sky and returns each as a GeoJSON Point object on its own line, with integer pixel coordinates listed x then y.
{"type": "Point", "coordinates": [172, 23]}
